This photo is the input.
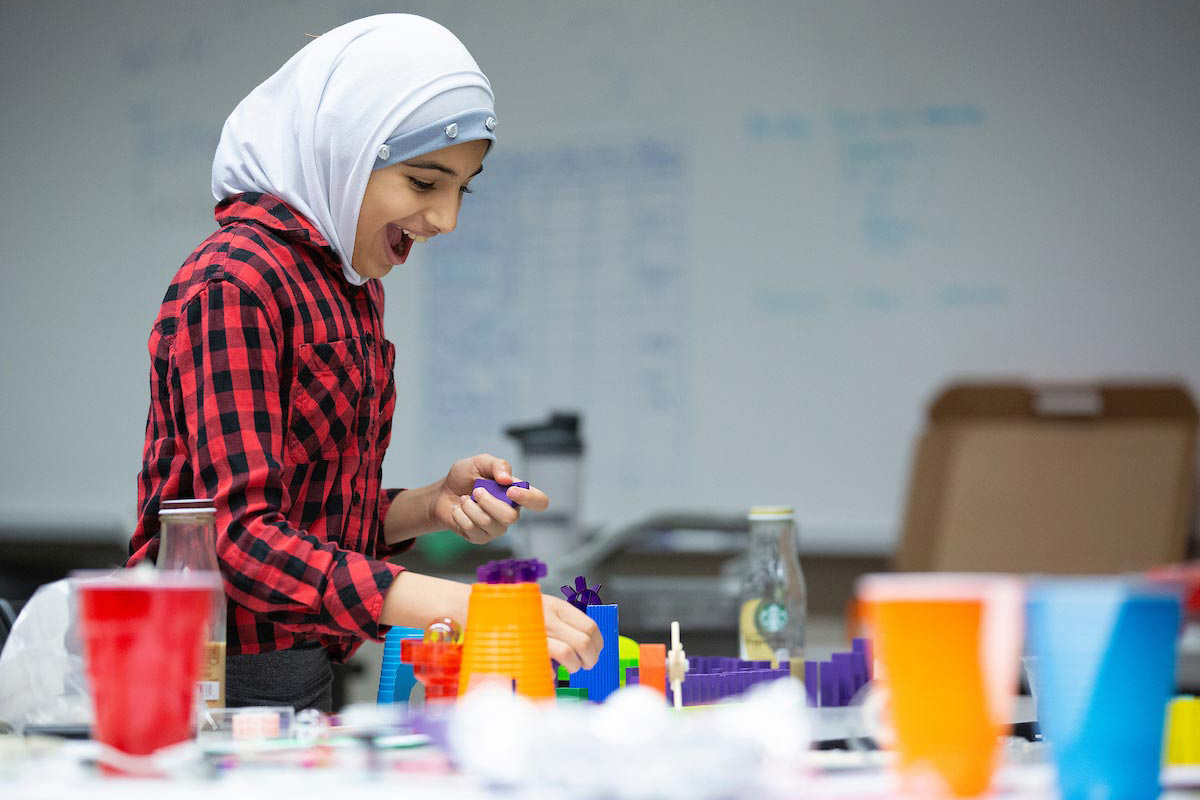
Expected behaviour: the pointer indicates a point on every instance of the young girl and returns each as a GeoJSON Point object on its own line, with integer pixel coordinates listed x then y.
{"type": "Point", "coordinates": [271, 387]}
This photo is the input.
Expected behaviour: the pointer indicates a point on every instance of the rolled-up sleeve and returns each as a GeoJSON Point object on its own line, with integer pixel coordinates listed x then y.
{"type": "Point", "coordinates": [385, 550]}
{"type": "Point", "coordinates": [226, 361]}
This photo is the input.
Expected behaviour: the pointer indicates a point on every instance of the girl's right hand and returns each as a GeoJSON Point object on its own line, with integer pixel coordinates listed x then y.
{"type": "Point", "coordinates": [572, 636]}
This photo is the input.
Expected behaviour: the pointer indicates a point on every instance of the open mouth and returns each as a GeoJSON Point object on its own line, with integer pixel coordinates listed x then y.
{"type": "Point", "coordinates": [399, 243]}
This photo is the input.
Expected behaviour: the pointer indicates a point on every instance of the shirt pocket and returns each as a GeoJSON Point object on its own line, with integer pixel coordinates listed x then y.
{"type": "Point", "coordinates": [325, 397]}
{"type": "Point", "coordinates": [387, 395]}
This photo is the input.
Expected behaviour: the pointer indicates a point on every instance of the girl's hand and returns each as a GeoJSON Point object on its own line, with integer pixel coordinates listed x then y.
{"type": "Point", "coordinates": [478, 517]}
{"type": "Point", "coordinates": [573, 637]}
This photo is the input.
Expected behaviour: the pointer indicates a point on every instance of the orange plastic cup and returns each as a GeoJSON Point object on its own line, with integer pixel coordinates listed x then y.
{"type": "Point", "coordinates": [949, 649]}
{"type": "Point", "coordinates": [505, 637]}
{"type": "Point", "coordinates": [143, 639]}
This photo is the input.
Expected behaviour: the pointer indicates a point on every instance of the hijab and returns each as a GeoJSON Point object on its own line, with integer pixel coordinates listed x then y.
{"type": "Point", "coordinates": [365, 95]}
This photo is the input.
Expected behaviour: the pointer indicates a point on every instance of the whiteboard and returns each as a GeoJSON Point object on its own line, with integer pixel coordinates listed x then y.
{"type": "Point", "coordinates": [747, 243]}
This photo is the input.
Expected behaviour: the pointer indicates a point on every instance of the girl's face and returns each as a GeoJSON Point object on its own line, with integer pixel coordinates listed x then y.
{"type": "Point", "coordinates": [416, 198]}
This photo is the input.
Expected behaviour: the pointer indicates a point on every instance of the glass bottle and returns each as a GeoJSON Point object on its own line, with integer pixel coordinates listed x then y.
{"type": "Point", "coordinates": [188, 543]}
{"type": "Point", "coordinates": [773, 598]}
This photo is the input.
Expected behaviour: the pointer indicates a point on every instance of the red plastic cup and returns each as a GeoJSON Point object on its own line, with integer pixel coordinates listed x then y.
{"type": "Point", "coordinates": [143, 637]}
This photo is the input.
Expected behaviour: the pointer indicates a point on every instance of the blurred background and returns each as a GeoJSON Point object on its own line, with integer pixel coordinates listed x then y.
{"type": "Point", "coordinates": [746, 246]}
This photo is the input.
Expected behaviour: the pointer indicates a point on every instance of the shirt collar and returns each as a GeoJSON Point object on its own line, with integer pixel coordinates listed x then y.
{"type": "Point", "coordinates": [274, 214]}
{"type": "Point", "coordinates": [270, 212]}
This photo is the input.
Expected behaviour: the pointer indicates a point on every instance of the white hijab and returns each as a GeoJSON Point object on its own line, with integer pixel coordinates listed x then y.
{"type": "Point", "coordinates": [312, 133]}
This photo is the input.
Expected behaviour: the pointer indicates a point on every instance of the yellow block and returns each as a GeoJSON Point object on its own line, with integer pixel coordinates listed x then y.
{"type": "Point", "coordinates": [1182, 746]}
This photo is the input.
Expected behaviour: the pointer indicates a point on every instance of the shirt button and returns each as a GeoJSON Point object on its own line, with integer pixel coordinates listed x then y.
{"type": "Point", "coordinates": [370, 391]}
{"type": "Point", "coordinates": [370, 338]}
{"type": "Point", "coordinates": [356, 499]}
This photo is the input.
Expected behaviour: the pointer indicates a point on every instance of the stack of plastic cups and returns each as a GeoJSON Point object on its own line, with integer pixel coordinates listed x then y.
{"type": "Point", "coordinates": [396, 678]}
{"type": "Point", "coordinates": [506, 639]}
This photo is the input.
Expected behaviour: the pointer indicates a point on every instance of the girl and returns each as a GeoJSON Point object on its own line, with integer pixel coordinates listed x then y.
{"type": "Point", "coordinates": [271, 388]}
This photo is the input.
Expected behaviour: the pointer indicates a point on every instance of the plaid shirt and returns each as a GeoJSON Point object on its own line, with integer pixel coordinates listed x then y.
{"type": "Point", "coordinates": [271, 392]}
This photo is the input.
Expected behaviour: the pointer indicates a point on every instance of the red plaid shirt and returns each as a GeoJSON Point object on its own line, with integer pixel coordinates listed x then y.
{"type": "Point", "coordinates": [271, 392]}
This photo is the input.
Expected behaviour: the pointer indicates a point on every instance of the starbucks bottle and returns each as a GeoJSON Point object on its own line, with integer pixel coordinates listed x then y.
{"type": "Point", "coordinates": [773, 598]}
{"type": "Point", "coordinates": [188, 543]}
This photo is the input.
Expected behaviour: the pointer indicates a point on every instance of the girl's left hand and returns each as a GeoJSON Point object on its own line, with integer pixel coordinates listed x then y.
{"type": "Point", "coordinates": [473, 513]}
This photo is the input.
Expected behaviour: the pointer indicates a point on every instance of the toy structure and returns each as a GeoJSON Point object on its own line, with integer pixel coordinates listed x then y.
{"type": "Point", "coordinates": [436, 660]}
{"type": "Point", "coordinates": [582, 595]}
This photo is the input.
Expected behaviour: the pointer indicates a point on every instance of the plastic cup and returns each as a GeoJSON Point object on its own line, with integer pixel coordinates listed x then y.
{"type": "Point", "coordinates": [1104, 655]}
{"type": "Point", "coordinates": [144, 633]}
{"type": "Point", "coordinates": [506, 636]}
{"type": "Point", "coordinates": [949, 648]}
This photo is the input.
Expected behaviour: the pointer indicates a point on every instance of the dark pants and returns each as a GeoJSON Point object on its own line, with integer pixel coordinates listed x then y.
{"type": "Point", "coordinates": [299, 677]}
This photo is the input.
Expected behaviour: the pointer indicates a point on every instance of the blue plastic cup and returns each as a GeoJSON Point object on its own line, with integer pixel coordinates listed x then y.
{"type": "Point", "coordinates": [396, 678]}
{"type": "Point", "coordinates": [1103, 670]}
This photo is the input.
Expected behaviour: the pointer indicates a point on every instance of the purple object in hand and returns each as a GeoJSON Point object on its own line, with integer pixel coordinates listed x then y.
{"type": "Point", "coordinates": [497, 491]}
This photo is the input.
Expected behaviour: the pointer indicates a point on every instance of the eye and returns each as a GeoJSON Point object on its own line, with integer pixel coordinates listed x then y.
{"type": "Point", "coordinates": [420, 186]}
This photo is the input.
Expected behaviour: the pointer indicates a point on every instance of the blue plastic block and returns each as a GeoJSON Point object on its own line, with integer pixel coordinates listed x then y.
{"type": "Point", "coordinates": [604, 678]}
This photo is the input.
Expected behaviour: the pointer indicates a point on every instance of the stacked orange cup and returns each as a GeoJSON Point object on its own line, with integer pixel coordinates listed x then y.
{"type": "Point", "coordinates": [505, 637]}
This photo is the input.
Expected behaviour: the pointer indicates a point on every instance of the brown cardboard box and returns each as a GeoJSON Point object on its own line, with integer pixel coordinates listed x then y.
{"type": "Point", "coordinates": [1058, 479]}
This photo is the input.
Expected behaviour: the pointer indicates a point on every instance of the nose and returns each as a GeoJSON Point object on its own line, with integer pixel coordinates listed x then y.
{"type": "Point", "coordinates": [443, 214]}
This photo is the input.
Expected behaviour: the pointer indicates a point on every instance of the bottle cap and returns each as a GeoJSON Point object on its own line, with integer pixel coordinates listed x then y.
{"type": "Point", "coordinates": [771, 513]}
{"type": "Point", "coordinates": [189, 506]}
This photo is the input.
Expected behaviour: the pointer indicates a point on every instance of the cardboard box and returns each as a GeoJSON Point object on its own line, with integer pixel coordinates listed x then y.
{"type": "Point", "coordinates": [1053, 479]}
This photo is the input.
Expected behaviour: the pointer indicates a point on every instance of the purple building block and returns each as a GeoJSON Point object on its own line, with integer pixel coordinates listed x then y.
{"type": "Point", "coordinates": [497, 491]}
{"type": "Point", "coordinates": [843, 667]}
{"type": "Point", "coordinates": [511, 570]}
{"type": "Point", "coordinates": [863, 646]}
{"type": "Point", "coordinates": [858, 667]}
{"type": "Point", "coordinates": [830, 696]}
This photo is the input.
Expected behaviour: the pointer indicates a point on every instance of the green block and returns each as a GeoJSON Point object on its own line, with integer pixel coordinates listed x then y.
{"type": "Point", "coordinates": [570, 695]}
{"type": "Point", "coordinates": [627, 648]}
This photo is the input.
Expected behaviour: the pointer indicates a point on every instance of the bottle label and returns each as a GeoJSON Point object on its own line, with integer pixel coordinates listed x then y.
{"type": "Point", "coordinates": [770, 618]}
{"type": "Point", "coordinates": [752, 644]}
{"type": "Point", "coordinates": [212, 675]}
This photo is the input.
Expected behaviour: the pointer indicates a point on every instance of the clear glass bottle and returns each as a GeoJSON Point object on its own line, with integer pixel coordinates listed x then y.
{"type": "Point", "coordinates": [773, 599]}
{"type": "Point", "coordinates": [188, 543]}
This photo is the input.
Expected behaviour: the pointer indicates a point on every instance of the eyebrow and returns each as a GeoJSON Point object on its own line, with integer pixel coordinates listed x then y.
{"type": "Point", "coordinates": [439, 167]}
